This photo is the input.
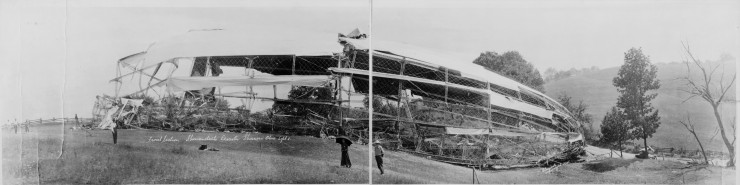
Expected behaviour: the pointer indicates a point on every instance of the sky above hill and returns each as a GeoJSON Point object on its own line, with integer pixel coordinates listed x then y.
{"type": "Point", "coordinates": [57, 55]}
{"type": "Point", "coordinates": [563, 34]}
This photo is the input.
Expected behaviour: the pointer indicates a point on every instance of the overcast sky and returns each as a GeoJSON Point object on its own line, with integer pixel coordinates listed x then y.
{"type": "Point", "coordinates": [57, 55]}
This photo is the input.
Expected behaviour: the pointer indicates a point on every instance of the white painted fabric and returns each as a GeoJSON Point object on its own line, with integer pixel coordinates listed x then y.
{"type": "Point", "coordinates": [220, 42]}
{"type": "Point", "coordinates": [107, 122]}
{"type": "Point", "coordinates": [177, 84]}
{"type": "Point", "coordinates": [494, 132]}
{"type": "Point", "coordinates": [451, 60]}
{"type": "Point", "coordinates": [496, 99]}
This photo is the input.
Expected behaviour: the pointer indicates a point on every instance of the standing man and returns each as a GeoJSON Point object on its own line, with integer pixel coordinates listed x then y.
{"type": "Point", "coordinates": [77, 121]}
{"type": "Point", "coordinates": [115, 134]}
{"type": "Point", "coordinates": [378, 150]}
{"type": "Point", "coordinates": [109, 123]}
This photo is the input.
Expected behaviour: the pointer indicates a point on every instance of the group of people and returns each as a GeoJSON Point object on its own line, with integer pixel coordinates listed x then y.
{"type": "Point", "coordinates": [345, 142]}
{"type": "Point", "coordinates": [17, 126]}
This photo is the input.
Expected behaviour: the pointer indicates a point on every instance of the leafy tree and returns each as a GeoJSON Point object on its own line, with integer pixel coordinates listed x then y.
{"type": "Point", "coordinates": [579, 113]}
{"type": "Point", "coordinates": [635, 78]}
{"type": "Point", "coordinates": [512, 65]}
{"type": "Point", "coordinates": [614, 129]}
{"type": "Point", "coordinates": [382, 105]}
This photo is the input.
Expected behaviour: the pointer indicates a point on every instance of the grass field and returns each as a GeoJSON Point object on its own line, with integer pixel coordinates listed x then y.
{"type": "Point", "coordinates": [90, 157]}
{"type": "Point", "coordinates": [406, 168]}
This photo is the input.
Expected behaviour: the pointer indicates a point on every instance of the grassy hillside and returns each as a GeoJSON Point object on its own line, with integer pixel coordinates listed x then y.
{"type": "Point", "coordinates": [91, 158]}
{"type": "Point", "coordinates": [596, 90]}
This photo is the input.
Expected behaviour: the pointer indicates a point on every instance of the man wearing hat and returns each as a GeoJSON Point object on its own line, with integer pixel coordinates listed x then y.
{"type": "Point", "coordinates": [378, 150]}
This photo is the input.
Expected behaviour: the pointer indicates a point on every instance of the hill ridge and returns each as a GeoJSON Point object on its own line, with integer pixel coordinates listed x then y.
{"type": "Point", "coordinates": [596, 91]}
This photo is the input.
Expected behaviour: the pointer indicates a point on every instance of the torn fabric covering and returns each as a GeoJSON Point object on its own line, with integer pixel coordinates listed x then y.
{"type": "Point", "coordinates": [494, 132]}
{"type": "Point", "coordinates": [578, 137]}
{"type": "Point", "coordinates": [177, 84]}
{"type": "Point", "coordinates": [451, 60]}
{"type": "Point", "coordinates": [257, 41]}
{"type": "Point", "coordinates": [402, 77]}
{"type": "Point", "coordinates": [560, 137]}
{"type": "Point", "coordinates": [546, 136]}
{"type": "Point", "coordinates": [132, 60]}
{"type": "Point", "coordinates": [434, 59]}
{"type": "Point", "coordinates": [467, 68]}
{"type": "Point", "coordinates": [466, 131]}
{"type": "Point", "coordinates": [529, 108]}
{"type": "Point", "coordinates": [496, 99]}
{"type": "Point", "coordinates": [355, 34]}
{"type": "Point", "coordinates": [507, 102]}
{"type": "Point", "coordinates": [107, 122]}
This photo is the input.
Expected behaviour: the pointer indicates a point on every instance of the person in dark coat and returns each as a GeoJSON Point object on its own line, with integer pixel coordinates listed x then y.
{"type": "Point", "coordinates": [344, 141]}
{"type": "Point", "coordinates": [115, 134]}
{"type": "Point", "coordinates": [345, 154]}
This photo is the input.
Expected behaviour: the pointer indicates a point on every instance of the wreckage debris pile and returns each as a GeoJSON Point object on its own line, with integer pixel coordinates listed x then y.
{"type": "Point", "coordinates": [570, 155]}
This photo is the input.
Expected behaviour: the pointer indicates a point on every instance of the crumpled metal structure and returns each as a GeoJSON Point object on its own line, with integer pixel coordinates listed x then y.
{"type": "Point", "coordinates": [424, 101]}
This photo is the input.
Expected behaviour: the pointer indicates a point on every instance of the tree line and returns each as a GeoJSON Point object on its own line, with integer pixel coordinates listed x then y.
{"type": "Point", "coordinates": [633, 117]}
{"type": "Point", "coordinates": [552, 74]}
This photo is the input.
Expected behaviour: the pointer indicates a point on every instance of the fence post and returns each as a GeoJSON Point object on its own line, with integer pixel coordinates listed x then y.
{"type": "Point", "coordinates": [475, 176]}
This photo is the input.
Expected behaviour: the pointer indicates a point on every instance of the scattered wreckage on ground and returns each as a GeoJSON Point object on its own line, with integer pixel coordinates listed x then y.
{"type": "Point", "coordinates": [424, 103]}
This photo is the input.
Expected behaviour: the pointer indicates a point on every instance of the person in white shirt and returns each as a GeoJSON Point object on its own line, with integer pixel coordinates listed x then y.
{"type": "Point", "coordinates": [378, 150]}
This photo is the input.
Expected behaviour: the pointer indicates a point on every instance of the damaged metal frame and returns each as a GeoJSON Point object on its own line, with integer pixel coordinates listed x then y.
{"type": "Point", "coordinates": [430, 85]}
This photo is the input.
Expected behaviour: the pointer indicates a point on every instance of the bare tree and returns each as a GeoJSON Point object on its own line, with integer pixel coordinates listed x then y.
{"type": "Point", "coordinates": [712, 91]}
{"type": "Point", "coordinates": [690, 127]}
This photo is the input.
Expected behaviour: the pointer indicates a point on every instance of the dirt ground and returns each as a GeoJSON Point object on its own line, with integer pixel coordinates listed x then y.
{"type": "Point", "coordinates": [406, 168]}
{"type": "Point", "coordinates": [650, 171]}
